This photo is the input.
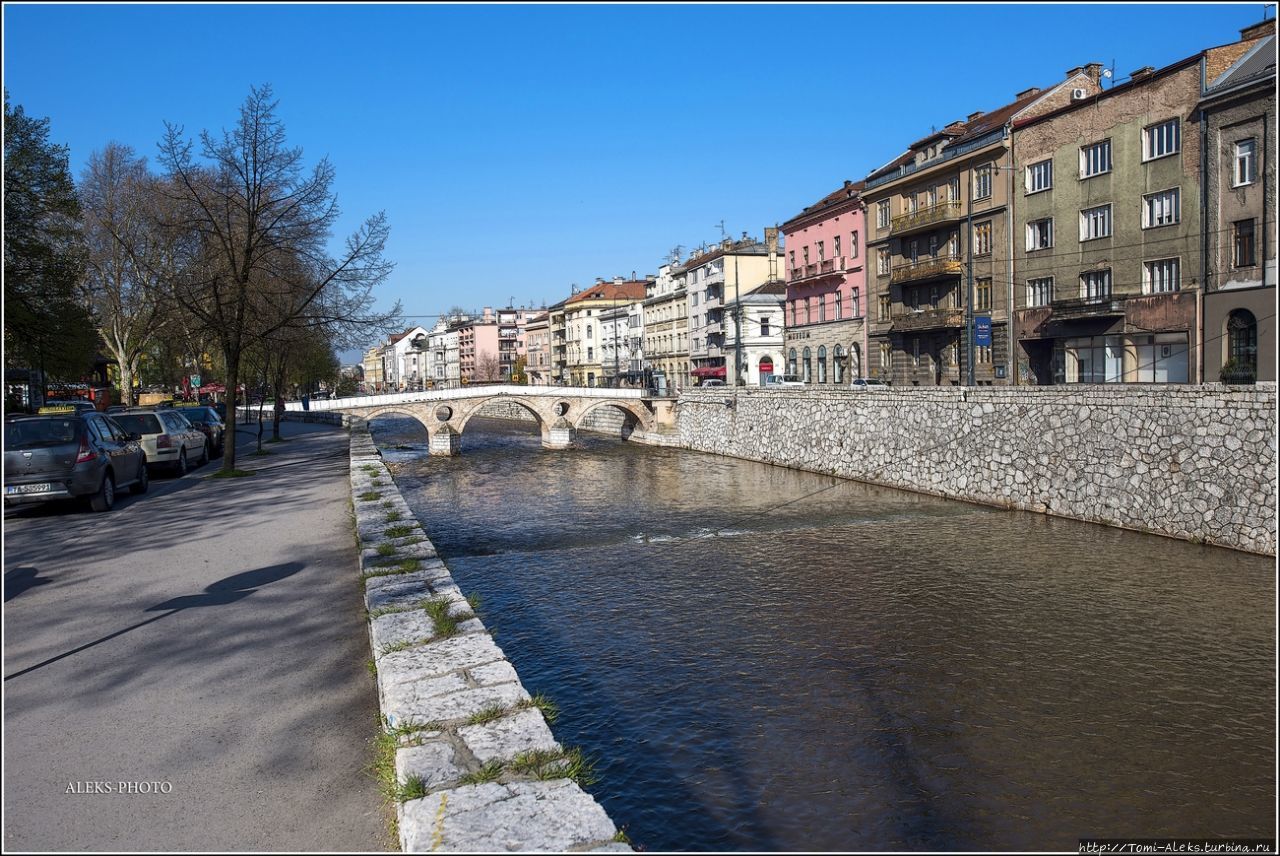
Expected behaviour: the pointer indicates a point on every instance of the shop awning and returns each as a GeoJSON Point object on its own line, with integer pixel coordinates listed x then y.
{"type": "Point", "coordinates": [708, 371]}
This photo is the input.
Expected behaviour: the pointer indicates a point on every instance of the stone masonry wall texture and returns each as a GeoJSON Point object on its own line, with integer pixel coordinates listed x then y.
{"type": "Point", "coordinates": [484, 770]}
{"type": "Point", "coordinates": [1191, 462]}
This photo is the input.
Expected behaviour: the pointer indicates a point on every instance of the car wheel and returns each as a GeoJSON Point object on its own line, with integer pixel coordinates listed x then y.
{"type": "Point", "coordinates": [204, 454]}
{"type": "Point", "coordinates": [182, 462]}
{"type": "Point", "coordinates": [106, 495]}
{"type": "Point", "coordinates": [144, 479]}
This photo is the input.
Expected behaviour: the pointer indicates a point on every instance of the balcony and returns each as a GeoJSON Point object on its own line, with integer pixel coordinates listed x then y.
{"type": "Point", "coordinates": [942, 212]}
{"type": "Point", "coordinates": [926, 269]}
{"type": "Point", "coordinates": [926, 319]}
{"type": "Point", "coordinates": [1083, 308]}
{"type": "Point", "coordinates": [822, 267]}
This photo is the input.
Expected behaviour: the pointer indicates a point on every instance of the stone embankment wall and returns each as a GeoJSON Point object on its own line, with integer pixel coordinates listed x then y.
{"type": "Point", "coordinates": [474, 752]}
{"type": "Point", "coordinates": [1192, 462]}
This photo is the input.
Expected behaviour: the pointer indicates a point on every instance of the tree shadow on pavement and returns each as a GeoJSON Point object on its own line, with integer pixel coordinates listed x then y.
{"type": "Point", "coordinates": [224, 591]}
{"type": "Point", "coordinates": [19, 580]}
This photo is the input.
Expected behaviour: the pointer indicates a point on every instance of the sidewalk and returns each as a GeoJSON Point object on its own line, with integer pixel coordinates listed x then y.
{"type": "Point", "coordinates": [207, 637]}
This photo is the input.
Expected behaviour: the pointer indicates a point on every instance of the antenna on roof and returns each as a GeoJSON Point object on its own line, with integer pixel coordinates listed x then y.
{"type": "Point", "coordinates": [723, 233]}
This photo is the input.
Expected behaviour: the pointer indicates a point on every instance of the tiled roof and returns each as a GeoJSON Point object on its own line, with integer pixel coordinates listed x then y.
{"type": "Point", "coordinates": [847, 191]}
{"type": "Point", "coordinates": [630, 290]}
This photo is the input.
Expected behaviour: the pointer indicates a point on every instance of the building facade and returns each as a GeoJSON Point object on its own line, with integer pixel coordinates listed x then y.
{"type": "Point", "coordinates": [537, 349]}
{"type": "Point", "coordinates": [826, 283]}
{"type": "Point", "coordinates": [716, 279]}
{"type": "Point", "coordinates": [478, 352]}
{"type": "Point", "coordinates": [939, 253]}
{"type": "Point", "coordinates": [756, 334]}
{"type": "Point", "coordinates": [584, 354]}
{"type": "Point", "coordinates": [1108, 232]}
{"type": "Point", "coordinates": [622, 344]}
{"type": "Point", "coordinates": [665, 321]}
{"type": "Point", "coordinates": [372, 364]}
{"type": "Point", "coordinates": [1238, 113]}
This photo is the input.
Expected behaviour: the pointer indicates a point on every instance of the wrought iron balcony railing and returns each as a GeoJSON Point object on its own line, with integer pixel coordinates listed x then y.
{"type": "Point", "coordinates": [926, 269]}
{"type": "Point", "coordinates": [942, 212]}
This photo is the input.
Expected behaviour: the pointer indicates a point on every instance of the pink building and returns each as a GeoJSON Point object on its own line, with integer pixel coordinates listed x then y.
{"type": "Point", "coordinates": [826, 332]}
{"type": "Point", "coordinates": [478, 354]}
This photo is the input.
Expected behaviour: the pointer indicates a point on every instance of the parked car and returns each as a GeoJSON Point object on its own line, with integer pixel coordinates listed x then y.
{"type": "Point", "coordinates": [169, 440]}
{"type": "Point", "coordinates": [782, 381]}
{"type": "Point", "coordinates": [54, 406]}
{"type": "Point", "coordinates": [712, 381]}
{"type": "Point", "coordinates": [206, 420]}
{"type": "Point", "coordinates": [70, 455]}
{"type": "Point", "coordinates": [868, 384]}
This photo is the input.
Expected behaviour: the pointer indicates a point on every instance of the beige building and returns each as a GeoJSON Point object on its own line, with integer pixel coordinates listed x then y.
{"type": "Point", "coordinates": [1108, 230]}
{"type": "Point", "coordinates": [715, 281]}
{"type": "Point", "coordinates": [666, 326]}
{"type": "Point", "coordinates": [580, 314]}
{"type": "Point", "coordinates": [537, 339]}
{"type": "Point", "coordinates": [939, 245]}
{"type": "Point", "coordinates": [372, 364]}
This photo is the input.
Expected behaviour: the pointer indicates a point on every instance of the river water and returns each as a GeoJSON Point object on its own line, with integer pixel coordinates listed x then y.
{"type": "Point", "coordinates": [764, 659]}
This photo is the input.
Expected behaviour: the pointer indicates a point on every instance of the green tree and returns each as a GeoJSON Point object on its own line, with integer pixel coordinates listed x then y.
{"type": "Point", "coordinates": [46, 324]}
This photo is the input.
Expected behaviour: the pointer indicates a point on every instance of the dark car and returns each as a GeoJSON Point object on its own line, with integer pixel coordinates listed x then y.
{"type": "Point", "coordinates": [70, 455]}
{"type": "Point", "coordinates": [204, 418]}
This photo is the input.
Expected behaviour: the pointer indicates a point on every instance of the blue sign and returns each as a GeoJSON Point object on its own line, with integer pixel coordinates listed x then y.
{"type": "Point", "coordinates": [982, 331]}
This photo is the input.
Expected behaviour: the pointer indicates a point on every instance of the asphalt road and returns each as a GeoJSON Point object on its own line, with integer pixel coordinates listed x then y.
{"type": "Point", "coordinates": [206, 637]}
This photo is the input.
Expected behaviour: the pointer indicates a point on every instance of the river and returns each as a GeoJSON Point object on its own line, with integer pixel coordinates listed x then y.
{"type": "Point", "coordinates": [764, 659]}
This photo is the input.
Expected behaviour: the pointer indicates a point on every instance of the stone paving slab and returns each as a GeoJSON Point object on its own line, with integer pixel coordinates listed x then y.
{"type": "Point", "coordinates": [440, 658]}
{"type": "Point", "coordinates": [435, 762]}
{"type": "Point", "coordinates": [406, 701]}
{"type": "Point", "coordinates": [509, 736]}
{"type": "Point", "coordinates": [502, 818]}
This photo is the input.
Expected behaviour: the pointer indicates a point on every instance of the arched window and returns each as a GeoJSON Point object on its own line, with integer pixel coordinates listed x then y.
{"type": "Point", "coordinates": [837, 364]}
{"type": "Point", "coordinates": [822, 364]}
{"type": "Point", "coordinates": [1242, 339]}
{"type": "Point", "coordinates": [807, 377]}
{"type": "Point", "coordinates": [791, 362]}
{"type": "Point", "coordinates": [855, 360]}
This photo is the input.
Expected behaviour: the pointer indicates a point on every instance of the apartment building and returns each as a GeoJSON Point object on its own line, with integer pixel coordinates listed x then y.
{"type": "Point", "coordinates": [478, 353]}
{"type": "Point", "coordinates": [826, 283]}
{"type": "Point", "coordinates": [537, 349]}
{"type": "Point", "coordinates": [939, 248]}
{"type": "Point", "coordinates": [372, 364]}
{"type": "Point", "coordinates": [716, 279]}
{"type": "Point", "coordinates": [757, 339]}
{"type": "Point", "coordinates": [665, 322]}
{"type": "Point", "coordinates": [559, 343]}
{"type": "Point", "coordinates": [1108, 230]}
{"type": "Point", "coordinates": [584, 355]}
{"type": "Point", "coordinates": [1238, 112]}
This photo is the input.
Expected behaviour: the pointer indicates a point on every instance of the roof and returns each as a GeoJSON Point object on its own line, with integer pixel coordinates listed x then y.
{"type": "Point", "coordinates": [1118, 89]}
{"type": "Point", "coordinates": [629, 290]}
{"type": "Point", "coordinates": [850, 190]}
{"type": "Point", "coordinates": [1260, 61]}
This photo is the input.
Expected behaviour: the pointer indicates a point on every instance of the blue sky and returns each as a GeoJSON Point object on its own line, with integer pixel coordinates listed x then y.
{"type": "Point", "coordinates": [518, 149]}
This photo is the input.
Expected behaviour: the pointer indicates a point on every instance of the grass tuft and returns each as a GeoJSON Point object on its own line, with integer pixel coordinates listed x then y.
{"type": "Point", "coordinates": [548, 708]}
{"type": "Point", "coordinates": [438, 608]}
{"type": "Point", "coordinates": [413, 788]}
{"type": "Point", "coordinates": [545, 764]}
{"type": "Point", "coordinates": [232, 474]}
{"type": "Point", "coordinates": [372, 667]}
{"type": "Point", "coordinates": [489, 714]}
{"type": "Point", "coordinates": [393, 516]}
{"type": "Point", "coordinates": [621, 837]}
{"type": "Point", "coordinates": [370, 496]}
{"type": "Point", "coordinates": [386, 550]}
{"type": "Point", "coordinates": [261, 453]}
{"type": "Point", "coordinates": [488, 773]}
{"type": "Point", "coordinates": [397, 531]}
{"type": "Point", "coordinates": [402, 646]}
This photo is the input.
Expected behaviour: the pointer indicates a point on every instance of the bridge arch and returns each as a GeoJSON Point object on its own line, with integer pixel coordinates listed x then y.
{"type": "Point", "coordinates": [635, 416]}
{"type": "Point", "coordinates": [415, 412]}
{"type": "Point", "coordinates": [473, 407]}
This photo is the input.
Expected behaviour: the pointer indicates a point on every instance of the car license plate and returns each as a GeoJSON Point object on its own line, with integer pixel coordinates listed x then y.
{"type": "Point", "coordinates": [11, 489]}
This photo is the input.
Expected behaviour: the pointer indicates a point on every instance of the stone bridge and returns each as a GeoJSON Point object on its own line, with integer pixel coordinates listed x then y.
{"type": "Point", "coordinates": [560, 411]}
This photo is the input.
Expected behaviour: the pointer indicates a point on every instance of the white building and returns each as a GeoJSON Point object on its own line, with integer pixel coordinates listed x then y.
{"type": "Point", "coordinates": [758, 314]}
{"type": "Point", "coordinates": [622, 342]}
{"type": "Point", "coordinates": [402, 358]}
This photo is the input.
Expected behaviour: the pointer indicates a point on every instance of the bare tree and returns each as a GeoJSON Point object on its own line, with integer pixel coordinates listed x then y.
{"type": "Point", "coordinates": [261, 225]}
{"type": "Point", "coordinates": [128, 257]}
{"type": "Point", "coordinates": [487, 367]}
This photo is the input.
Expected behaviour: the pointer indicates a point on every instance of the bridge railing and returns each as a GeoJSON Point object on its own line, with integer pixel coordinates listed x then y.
{"type": "Point", "coordinates": [470, 392]}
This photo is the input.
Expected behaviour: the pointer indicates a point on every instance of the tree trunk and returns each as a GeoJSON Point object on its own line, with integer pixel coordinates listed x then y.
{"type": "Point", "coordinates": [278, 391]}
{"type": "Point", "coordinates": [233, 382]}
{"type": "Point", "coordinates": [127, 371]}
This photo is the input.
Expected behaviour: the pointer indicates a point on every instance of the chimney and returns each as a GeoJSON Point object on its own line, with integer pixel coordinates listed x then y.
{"type": "Point", "coordinates": [847, 182]}
{"type": "Point", "coordinates": [599, 280]}
{"type": "Point", "coordinates": [975, 114]}
{"type": "Point", "coordinates": [1094, 70]}
{"type": "Point", "coordinates": [1258, 30]}
{"type": "Point", "coordinates": [617, 280]}
{"type": "Point", "coordinates": [1035, 90]}
{"type": "Point", "coordinates": [1072, 72]}
{"type": "Point", "coordinates": [1141, 73]}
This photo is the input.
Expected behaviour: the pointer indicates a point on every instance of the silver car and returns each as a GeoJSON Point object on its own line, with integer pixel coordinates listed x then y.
{"type": "Point", "coordinates": [69, 455]}
{"type": "Point", "coordinates": [169, 440]}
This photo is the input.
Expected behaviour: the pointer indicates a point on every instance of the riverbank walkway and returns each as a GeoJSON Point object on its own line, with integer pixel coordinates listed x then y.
{"type": "Point", "coordinates": [206, 643]}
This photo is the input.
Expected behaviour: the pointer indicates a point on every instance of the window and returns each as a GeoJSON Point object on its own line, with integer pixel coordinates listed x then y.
{"type": "Point", "coordinates": [915, 352]}
{"type": "Point", "coordinates": [694, 299]}
{"type": "Point", "coordinates": [1095, 159]}
{"type": "Point", "coordinates": [854, 304]}
{"type": "Point", "coordinates": [982, 295]}
{"type": "Point", "coordinates": [794, 305]}
{"type": "Point", "coordinates": [1161, 209]}
{"type": "Point", "coordinates": [1040, 176]}
{"type": "Point", "coordinates": [1161, 358]}
{"type": "Point", "coordinates": [982, 238]}
{"type": "Point", "coordinates": [835, 246]}
{"type": "Point", "coordinates": [808, 310]}
{"type": "Point", "coordinates": [882, 261]}
{"type": "Point", "coordinates": [588, 331]}
{"type": "Point", "coordinates": [764, 325]}
{"type": "Point", "coordinates": [954, 186]}
{"type": "Point", "coordinates": [933, 196]}
{"type": "Point", "coordinates": [822, 307]}
{"type": "Point", "coordinates": [838, 308]}
{"type": "Point", "coordinates": [1040, 291]}
{"type": "Point", "coordinates": [909, 203]}
{"type": "Point", "coordinates": [1095, 223]}
{"type": "Point", "coordinates": [853, 245]}
{"type": "Point", "coordinates": [1242, 338]}
{"type": "Point", "coordinates": [1246, 163]}
{"type": "Point", "coordinates": [591, 353]}
{"type": "Point", "coordinates": [837, 364]}
{"type": "Point", "coordinates": [791, 362]}
{"type": "Point", "coordinates": [822, 250]}
{"type": "Point", "coordinates": [884, 307]}
{"type": "Point", "coordinates": [1040, 234]}
{"type": "Point", "coordinates": [1160, 140]}
{"type": "Point", "coordinates": [1160, 276]}
{"type": "Point", "coordinates": [808, 367]}
{"type": "Point", "coordinates": [982, 355]}
{"type": "Point", "coordinates": [806, 254]}
{"type": "Point", "coordinates": [882, 214]}
{"type": "Point", "coordinates": [913, 249]}
{"type": "Point", "coordinates": [1096, 284]}
{"type": "Point", "coordinates": [822, 364]}
{"type": "Point", "coordinates": [1244, 244]}
{"type": "Point", "coordinates": [886, 358]}
{"type": "Point", "coordinates": [982, 182]}
{"type": "Point", "coordinates": [792, 254]}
